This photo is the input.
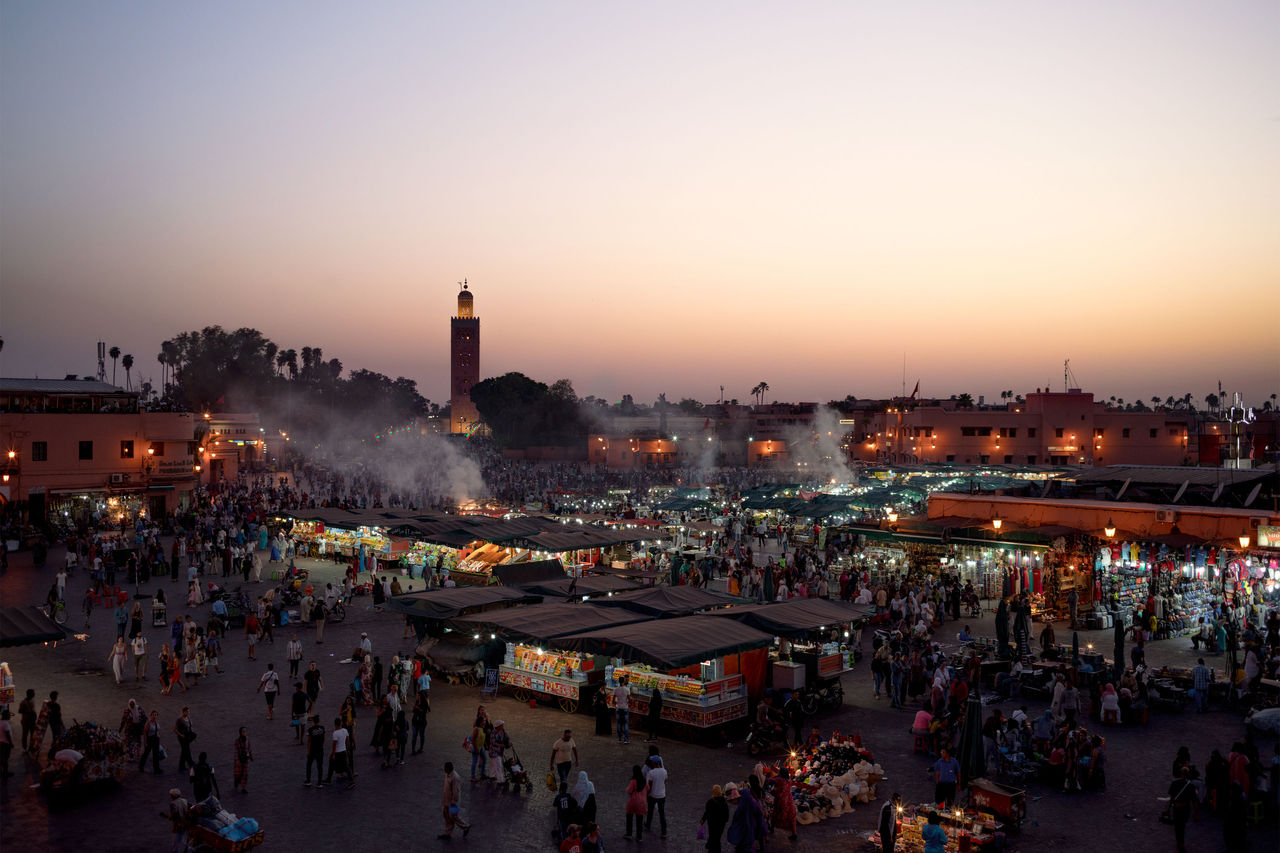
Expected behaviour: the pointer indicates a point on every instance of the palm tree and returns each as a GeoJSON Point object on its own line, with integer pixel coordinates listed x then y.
{"type": "Point", "coordinates": [1169, 401]}
{"type": "Point", "coordinates": [114, 352]}
{"type": "Point", "coordinates": [764, 386]}
{"type": "Point", "coordinates": [964, 401]}
{"type": "Point", "coordinates": [291, 362]}
{"type": "Point", "coordinates": [1155, 402]}
{"type": "Point", "coordinates": [282, 360]}
{"type": "Point", "coordinates": [127, 361]}
{"type": "Point", "coordinates": [163, 359]}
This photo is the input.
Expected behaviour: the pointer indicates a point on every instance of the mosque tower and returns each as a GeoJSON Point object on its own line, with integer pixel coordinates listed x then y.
{"type": "Point", "coordinates": [464, 363]}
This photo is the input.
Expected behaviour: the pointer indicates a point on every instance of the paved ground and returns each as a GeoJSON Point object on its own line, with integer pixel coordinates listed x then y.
{"type": "Point", "coordinates": [399, 806]}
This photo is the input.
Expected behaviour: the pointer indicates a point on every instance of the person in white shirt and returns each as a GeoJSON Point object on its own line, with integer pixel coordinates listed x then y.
{"type": "Point", "coordinates": [139, 645]}
{"type": "Point", "coordinates": [338, 754]}
{"type": "Point", "coordinates": [656, 775]}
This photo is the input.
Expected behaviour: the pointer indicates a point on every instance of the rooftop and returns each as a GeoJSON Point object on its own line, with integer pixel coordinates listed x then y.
{"type": "Point", "coordinates": [59, 386]}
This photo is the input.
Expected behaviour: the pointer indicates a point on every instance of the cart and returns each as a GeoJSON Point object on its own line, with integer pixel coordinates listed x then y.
{"type": "Point", "coordinates": [1008, 804]}
{"type": "Point", "coordinates": [204, 840]}
{"type": "Point", "coordinates": [159, 614]}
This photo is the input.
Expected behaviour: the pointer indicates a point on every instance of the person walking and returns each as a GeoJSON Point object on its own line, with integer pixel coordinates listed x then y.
{"type": "Point", "coordinates": [888, 823]}
{"type": "Point", "coordinates": [946, 772]}
{"type": "Point", "coordinates": [184, 730]}
{"type": "Point", "coordinates": [204, 781]}
{"type": "Point", "coordinates": [293, 653]}
{"type": "Point", "coordinates": [622, 707]}
{"type": "Point", "coordinates": [653, 719]}
{"type": "Point", "coordinates": [6, 743]}
{"type": "Point", "coordinates": [318, 615]}
{"type": "Point", "coordinates": [314, 682]}
{"type": "Point", "coordinates": [1201, 676]}
{"type": "Point", "coordinates": [450, 804]}
{"type": "Point", "coordinates": [656, 776]}
{"type": "Point", "coordinates": [637, 805]}
{"type": "Point", "coordinates": [315, 751]}
{"type": "Point", "coordinates": [418, 721]}
{"type": "Point", "coordinates": [179, 819]}
{"type": "Point", "coordinates": [715, 817]}
{"type": "Point", "coordinates": [139, 647]}
{"type": "Point", "coordinates": [269, 685]}
{"type": "Point", "coordinates": [299, 704]}
{"type": "Point", "coordinates": [748, 827]}
{"type": "Point", "coordinates": [151, 744]}
{"type": "Point", "coordinates": [242, 750]}
{"type": "Point", "coordinates": [339, 754]}
{"type": "Point", "coordinates": [27, 716]}
{"type": "Point", "coordinates": [1182, 800]}
{"type": "Point", "coordinates": [564, 755]}
{"type": "Point", "coordinates": [116, 658]}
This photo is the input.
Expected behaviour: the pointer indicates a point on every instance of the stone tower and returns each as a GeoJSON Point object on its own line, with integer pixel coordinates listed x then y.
{"type": "Point", "coordinates": [464, 363]}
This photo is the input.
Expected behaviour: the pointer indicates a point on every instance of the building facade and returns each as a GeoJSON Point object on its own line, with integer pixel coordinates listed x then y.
{"type": "Point", "coordinates": [76, 450]}
{"type": "Point", "coordinates": [464, 364]}
{"type": "Point", "coordinates": [1049, 428]}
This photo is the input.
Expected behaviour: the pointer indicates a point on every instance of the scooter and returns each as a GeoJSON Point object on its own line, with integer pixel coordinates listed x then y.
{"type": "Point", "coordinates": [828, 697]}
{"type": "Point", "coordinates": [761, 737]}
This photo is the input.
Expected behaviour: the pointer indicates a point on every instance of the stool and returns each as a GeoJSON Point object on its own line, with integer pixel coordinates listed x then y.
{"type": "Point", "coordinates": [921, 744]}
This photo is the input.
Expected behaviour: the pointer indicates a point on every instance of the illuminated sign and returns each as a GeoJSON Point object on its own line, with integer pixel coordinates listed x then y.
{"type": "Point", "coordinates": [1268, 536]}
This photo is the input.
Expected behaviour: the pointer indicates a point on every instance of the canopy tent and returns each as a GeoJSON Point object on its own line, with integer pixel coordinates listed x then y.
{"type": "Point", "coordinates": [449, 603]}
{"type": "Point", "coordinates": [798, 616]}
{"type": "Point", "coordinates": [26, 626]}
{"type": "Point", "coordinates": [668, 601]}
{"type": "Point", "coordinates": [542, 622]}
{"type": "Point", "coordinates": [580, 587]}
{"type": "Point", "coordinates": [681, 505]}
{"type": "Point", "coordinates": [668, 643]}
{"type": "Point", "coordinates": [515, 574]}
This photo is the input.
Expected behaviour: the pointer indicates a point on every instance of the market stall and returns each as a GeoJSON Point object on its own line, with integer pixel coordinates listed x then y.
{"type": "Point", "coordinates": [703, 666]}
{"type": "Point", "coordinates": [529, 667]}
{"type": "Point", "coordinates": [87, 754]}
{"type": "Point", "coordinates": [25, 626]}
{"type": "Point", "coordinates": [668, 601]}
{"type": "Point", "coordinates": [966, 830]}
{"type": "Point", "coordinates": [591, 586]}
{"type": "Point", "coordinates": [827, 778]}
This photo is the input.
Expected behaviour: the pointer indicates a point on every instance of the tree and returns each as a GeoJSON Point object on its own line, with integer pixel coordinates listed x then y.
{"type": "Point", "coordinates": [1155, 402]}
{"type": "Point", "coordinates": [964, 401]}
{"type": "Point", "coordinates": [1211, 400]}
{"type": "Point", "coordinates": [114, 352]}
{"type": "Point", "coordinates": [127, 361]}
{"type": "Point", "coordinates": [764, 389]}
{"type": "Point", "coordinates": [163, 359]}
{"type": "Point", "coordinates": [523, 412]}
{"type": "Point", "coordinates": [690, 406]}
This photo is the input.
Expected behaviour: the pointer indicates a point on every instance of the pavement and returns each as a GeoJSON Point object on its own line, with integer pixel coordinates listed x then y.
{"type": "Point", "coordinates": [398, 808]}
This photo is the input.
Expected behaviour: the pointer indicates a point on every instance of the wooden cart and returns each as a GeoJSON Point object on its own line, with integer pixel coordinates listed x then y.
{"type": "Point", "coordinates": [204, 840]}
{"type": "Point", "coordinates": [1008, 804]}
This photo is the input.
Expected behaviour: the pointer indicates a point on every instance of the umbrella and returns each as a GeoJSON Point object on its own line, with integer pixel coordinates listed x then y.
{"type": "Point", "coordinates": [972, 750]}
{"type": "Point", "coordinates": [1119, 649]}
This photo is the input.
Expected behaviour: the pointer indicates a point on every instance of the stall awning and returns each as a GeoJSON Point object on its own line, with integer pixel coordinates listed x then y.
{"type": "Point", "coordinates": [580, 587]}
{"type": "Point", "coordinates": [26, 626]}
{"type": "Point", "coordinates": [516, 574]}
{"type": "Point", "coordinates": [669, 601]}
{"type": "Point", "coordinates": [798, 616]}
{"type": "Point", "coordinates": [668, 643]}
{"type": "Point", "coordinates": [448, 603]}
{"type": "Point", "coordinates": [542, 622]}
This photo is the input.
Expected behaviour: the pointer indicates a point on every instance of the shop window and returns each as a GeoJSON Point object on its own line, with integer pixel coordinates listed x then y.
{"type": "Point", "coordinates": [1154, 432]}
{"type": "Point", "coordinates": [86, 451]}
{"type": "Point", "coordinates": [1031, 460]}
{"type": "Point", "coordinates": [1058, 432]}
{"type": "Point", "coordinates": [1124, 432]}
{"type": "Point", "coordinates": [951, 457]}
{"type": "Point", "coordinates": [974, 431]}
{"type": "Point", "coordinates": [1008, 432]}
{"type": "Point", "coordinates": [1031, 432]}
{"type": "Point", "coordinates": [39, 451]}
{"type": "Point", "coordinates": [1008, 459]}
{"type": "Point", "coordinates": [126, 449]}
{"type": "Point", "coordinates": [984, 459]}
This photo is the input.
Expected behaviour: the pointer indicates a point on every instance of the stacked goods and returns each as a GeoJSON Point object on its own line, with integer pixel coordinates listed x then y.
{"type": "Point", "coordinates": [210, 815]}
{"type": "Point", "coordinates": [831, 777]}
{"type": "Point", "coordinates": [103, 750]}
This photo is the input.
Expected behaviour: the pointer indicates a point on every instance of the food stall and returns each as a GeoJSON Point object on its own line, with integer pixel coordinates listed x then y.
{"type": "Point", "coordinates": [85, 754]}
{"type": "Point", "coordinates": [816, 637]}
{"type": "Point", "coordinates": [704, 667]}
{"type": "Point", "coordinates": [530, 669]}
{"type": "Point", "coordinates": [966, 829]}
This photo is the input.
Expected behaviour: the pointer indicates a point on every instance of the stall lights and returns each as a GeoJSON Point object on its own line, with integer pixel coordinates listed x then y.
{"type": "Point", "coordinates": [1244, 541]}
{"type": "Point", "coordinates": [1110, 529]}
{"type": "Point", "coordinates": [893, 516]}
{"type": "Point", "coordinates": [997, 521]}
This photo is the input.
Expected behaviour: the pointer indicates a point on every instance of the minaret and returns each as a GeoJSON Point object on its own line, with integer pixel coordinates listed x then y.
{"type": "Point", "coordinates": [464, 363]}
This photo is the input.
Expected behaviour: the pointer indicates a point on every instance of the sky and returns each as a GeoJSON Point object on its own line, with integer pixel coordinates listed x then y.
{"type": "Point", "coordinates": [834, 198]}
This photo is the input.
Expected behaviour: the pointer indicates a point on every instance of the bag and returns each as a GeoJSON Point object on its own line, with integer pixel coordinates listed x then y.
{"type": "Point", "coordinates": [1166, 816]}
{"type": "Point", "coordinates": [466, 744]}
{"type": "Point", "coordinates": [163, 754]}
{"type": "Point", "coordinates": [551, 781]}
{"type": "Point", "coordinates": [701, 834]}
{"type": "Point", "coordinates": [453, 809]}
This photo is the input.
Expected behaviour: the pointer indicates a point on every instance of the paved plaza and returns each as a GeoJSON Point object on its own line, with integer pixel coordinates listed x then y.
{"type": "Point", "coordinates": [398, 808]}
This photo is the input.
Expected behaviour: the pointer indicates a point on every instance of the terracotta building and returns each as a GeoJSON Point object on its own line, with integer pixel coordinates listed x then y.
{"type": "Point", "coordinates": [1049, 428]}
{"type": "Point", "coordinates": [76, 448]}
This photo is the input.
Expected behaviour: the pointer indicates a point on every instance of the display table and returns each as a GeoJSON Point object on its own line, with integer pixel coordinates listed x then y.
{"type": "Point", "coordinates": [562, 676]}
{"type": "Point", "coordinates": [686, 701]}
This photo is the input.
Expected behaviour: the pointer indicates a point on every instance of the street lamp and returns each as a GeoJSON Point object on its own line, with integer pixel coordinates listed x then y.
{"type": "Point", "coordinates": [1244, 541]}
{"type": "Point", "coordinates": [996, 521]}
{"type": "Point", "coordinates": [1110, 529]}
{"type": "Point", "coordinates": [893, 516]}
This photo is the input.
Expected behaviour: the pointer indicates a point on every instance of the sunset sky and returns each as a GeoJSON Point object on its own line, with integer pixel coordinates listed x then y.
{"type": "Point", "coordinates": [657, 197]}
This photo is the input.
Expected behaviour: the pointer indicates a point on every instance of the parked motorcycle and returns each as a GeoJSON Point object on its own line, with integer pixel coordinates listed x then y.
{"type": "Point", "coordinates": [829, 696]}
{"type": "Point", "coordinates": [761, 738]}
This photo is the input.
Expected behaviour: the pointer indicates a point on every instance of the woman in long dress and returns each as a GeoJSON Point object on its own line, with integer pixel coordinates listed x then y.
{"type": "Point", "coordinates": [116, 658]}
{"type": "Point", "coordinates": [784, 805]}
